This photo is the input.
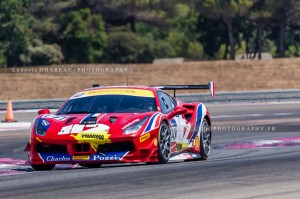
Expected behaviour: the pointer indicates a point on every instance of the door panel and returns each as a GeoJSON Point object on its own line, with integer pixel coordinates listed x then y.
{"type": "Point", "coordinates": [181, 133]}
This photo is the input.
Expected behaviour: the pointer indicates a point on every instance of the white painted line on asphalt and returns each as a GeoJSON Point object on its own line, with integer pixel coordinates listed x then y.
{"type": "Point", "coordinates": [249, 103]}
{"type": "Point", "coordinates": [282, 114]}
{"type": "Point", "coordinates": [14, 126]}
{"type": "Point", "coordinates": [30, 111]}
{"type": "Point", "coordinates": [251, 115]}
{"type": "Point", "coordinates": [234, 116]}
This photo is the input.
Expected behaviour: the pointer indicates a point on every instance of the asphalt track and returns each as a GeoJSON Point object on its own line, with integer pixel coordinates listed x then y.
{"type": "Point", "coordinates": [256, 154]}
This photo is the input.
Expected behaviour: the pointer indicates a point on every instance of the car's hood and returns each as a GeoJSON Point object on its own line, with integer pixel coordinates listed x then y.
{"type": "Point", "coordinates": [114, 123]}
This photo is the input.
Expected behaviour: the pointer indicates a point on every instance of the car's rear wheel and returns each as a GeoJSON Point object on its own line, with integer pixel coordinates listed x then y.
{"type": "Point", "coordinates": [43, 167]}
{"type": "Point", "coordinates": [91, 165]}
{"type": "Point", "coordinates": [205, 139]}
{"type": "Point", "coordinates": [164, 143]}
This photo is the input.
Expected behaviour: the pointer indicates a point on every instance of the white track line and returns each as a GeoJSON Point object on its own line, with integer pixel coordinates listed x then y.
{"type": "Point", "coordinates": [14, 126]}
{"type": "Point", "coordinates": [252, 115]}
{"type": "Point", "coordinates": [30, 111]}
{"type": "Point", "coordinates": [226, 104]}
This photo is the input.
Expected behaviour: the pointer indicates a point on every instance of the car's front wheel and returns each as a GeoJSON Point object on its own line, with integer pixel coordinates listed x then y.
{"type": "Point", "coordinates": [164, 143]}
{"type": "Point", "coordinates": [43, 167]}
{"type": "Point", "coordinates": [205, 140]}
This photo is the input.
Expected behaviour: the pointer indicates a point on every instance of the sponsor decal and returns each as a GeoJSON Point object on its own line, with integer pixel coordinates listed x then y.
{"type": "Point", "coordinates": [81, 157]}
{"type": "Point", "coordinates": [55, 157]}
{"type": "Point", "coordinates": [99, 157]}
{"type": "Point", "coordinates": [115, 156]}
{"type": "Point", "coordinates": [77, 95]}
{"type": "Point", "coordinates": [118, 91]}
{"type": "Point", "coordinates": [144, 137]}
{"type": "Point", "coordinates": [55, 117]}
{"type": "Point", "coordinates": [181, 145]}
{"type": "Point", "coordinates": [173, 129]}
{"type": "Point", "coordinates": [109, 156]}
{"type": "Point", "coordinates": [196, 142]}
{"type": "Point", "coordinates": [93, 138]}
{"type": "Point", "coordinates": [131, 123]}
{"type": "Point", "coordinates": [181, 130]}
{"type": "Point", "coordinates": [155, 142]}
{"type": "Point", "coordinates": [94, 134]}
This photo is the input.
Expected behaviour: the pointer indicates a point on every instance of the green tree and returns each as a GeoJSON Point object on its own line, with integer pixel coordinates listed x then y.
{"type": "Point", "coordinates": [82, 36]}
{"type": "Point", "coordinates": [184, 36]}
{"type": "Point", "coordinates": [129, 12]}
{"type": "Point", "coordinates": [228, 11]}
{"type": "Point", "coordinates": [156, 38]}
{"type": "Point", "coordinates": [15, 30]}
{"type": "Point", "coordinates": [42, 54]}
{"type": "Point", "coordinates": [284, 13]}
{"type": "Point", "coordinates": [195, 51]}
{"type": "Point", "coordinates": [179, 42]}
{"type": "Point", "coordinates": [127, 47]}
{"type": "Point", "coordinates": [213, 37]}
{"type": "Point", "coordinates": [260, 15]}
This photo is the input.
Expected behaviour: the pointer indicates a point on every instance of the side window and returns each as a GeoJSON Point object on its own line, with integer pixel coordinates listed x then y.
{"type": "Point", "coordinates": [167, 103]}
{"type": "Point", "coordinates": [173, 101]}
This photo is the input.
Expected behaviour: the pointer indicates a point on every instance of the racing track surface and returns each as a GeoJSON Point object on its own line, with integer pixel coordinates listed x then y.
{"type": "Point", "coordinates": [256, 154]}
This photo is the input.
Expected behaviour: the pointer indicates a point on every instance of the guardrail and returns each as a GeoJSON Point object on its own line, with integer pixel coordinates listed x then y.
{"type": "Point", "coordinates": [221, 97]}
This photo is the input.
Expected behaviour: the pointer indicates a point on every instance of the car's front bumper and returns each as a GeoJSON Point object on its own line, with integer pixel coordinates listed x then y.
{"type": "Point", "coordinates": [123, 149]}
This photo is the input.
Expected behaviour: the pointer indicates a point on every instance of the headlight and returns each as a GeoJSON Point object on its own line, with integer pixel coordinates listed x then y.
{"type": "Point", "coordinates": [136, 126]}
{"type": "Point", "coordinates": [41, 126]}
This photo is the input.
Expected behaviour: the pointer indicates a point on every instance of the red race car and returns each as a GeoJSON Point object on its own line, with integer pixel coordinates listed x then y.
{"type": "Point", "coordinates": [121, 124]}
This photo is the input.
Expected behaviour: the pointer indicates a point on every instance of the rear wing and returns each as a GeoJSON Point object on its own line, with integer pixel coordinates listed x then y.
{"type": "Point", "coordinates": [210, 86]}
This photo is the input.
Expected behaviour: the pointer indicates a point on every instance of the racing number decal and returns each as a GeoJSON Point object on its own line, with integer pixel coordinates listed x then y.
{"type": "Point", "coordinates": [77, 128]}
{"type": "Point", "coordinates": [94, 134]}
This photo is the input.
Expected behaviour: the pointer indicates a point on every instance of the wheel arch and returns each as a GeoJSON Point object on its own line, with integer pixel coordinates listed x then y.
{"type": "Point", "coordinates": [165, 120]}
{"type": "Point", "coordinates": [207, 119]}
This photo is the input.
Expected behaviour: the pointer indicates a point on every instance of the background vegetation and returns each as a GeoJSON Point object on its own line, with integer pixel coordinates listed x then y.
{"type": "Point", "coordinates": [45, 32]}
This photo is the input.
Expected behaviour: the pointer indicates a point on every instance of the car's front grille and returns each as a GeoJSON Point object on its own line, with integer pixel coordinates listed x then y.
{"type": "Point", "coordinates": [115, 147]}
{"type": "Point", "coordinates": [51, 148]}
{"type": "Point", "coordinates": [82, 148]}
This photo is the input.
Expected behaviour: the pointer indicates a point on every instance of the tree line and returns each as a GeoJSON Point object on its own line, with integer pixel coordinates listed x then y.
{"type": "Point", "coordinates": [45, 32]}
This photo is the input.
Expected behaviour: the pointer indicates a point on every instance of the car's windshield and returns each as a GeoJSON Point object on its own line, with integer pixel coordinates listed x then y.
{"type": "Point", "coordinates": [109, 104]}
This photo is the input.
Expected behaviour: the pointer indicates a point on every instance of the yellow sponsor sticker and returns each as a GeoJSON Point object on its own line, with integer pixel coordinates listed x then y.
{"type": "Point", "coordinates": [144, 137]}
{"type": "Point", "coordinates": [181, 145]}
{"type": "Point", "coordinates": [93, 138]}
{"type": "Point", "coordinates": [81, 157]}
{"type": "Point", "coordinates": [120, 91]}
{"type": "Point", "coordinates": [196, 142]}
{"type": "Point", "coordinates": [155, 142]}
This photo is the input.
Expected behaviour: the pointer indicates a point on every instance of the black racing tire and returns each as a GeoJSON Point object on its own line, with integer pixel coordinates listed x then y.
{"type": "Point", "coordinates": [43, 167]}
{"type": "Point", "coordinates": [205, 140]}
{"type": "Point", "coordinates": [91, 165]}
{"type": "Point", "coordinates": [164, 143]}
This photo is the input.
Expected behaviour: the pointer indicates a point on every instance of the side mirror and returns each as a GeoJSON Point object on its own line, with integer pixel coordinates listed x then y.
{"type": "Point", "coordinates": [44, 111]}
{"type": "Point", "coordinates": [177, 111]}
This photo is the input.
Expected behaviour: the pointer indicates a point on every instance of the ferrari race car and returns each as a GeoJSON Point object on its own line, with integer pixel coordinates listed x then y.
{"type": "Point", "coordinates": [121, 124]}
